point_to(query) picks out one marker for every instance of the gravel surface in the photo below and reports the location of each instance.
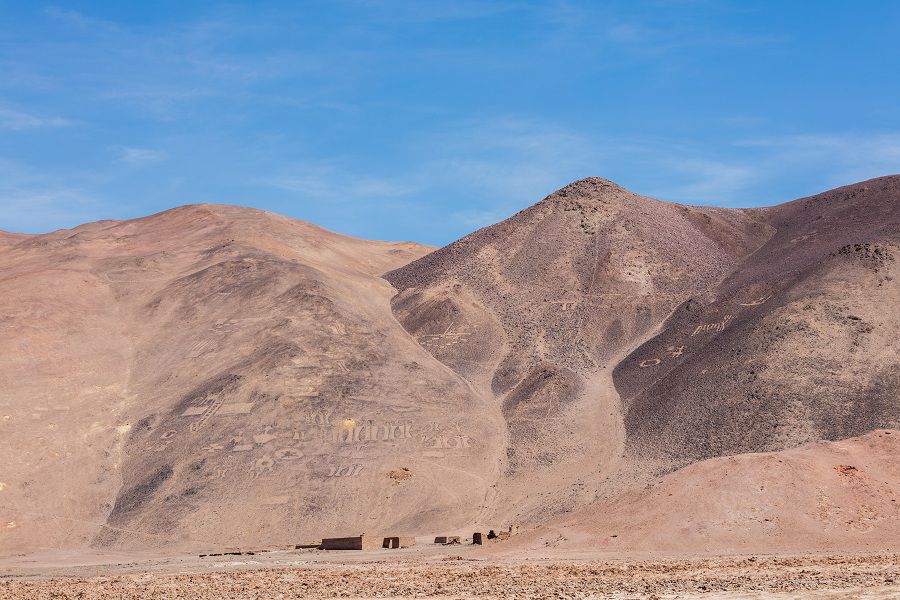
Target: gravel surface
(870, 576)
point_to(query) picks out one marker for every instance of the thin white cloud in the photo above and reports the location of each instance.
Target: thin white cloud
(319, 182)
(171, 71)
(614, 33)
(141, 156)
(497, 166)
(827, 160)
(510, 163)
(18, 120)
(77, 19)
(629, 33)
(707, 180)
(30, 202)
(507, 156)
(416, 11)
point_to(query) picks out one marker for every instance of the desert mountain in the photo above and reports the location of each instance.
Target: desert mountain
(217, 376)
(625, 337)
(799, 344)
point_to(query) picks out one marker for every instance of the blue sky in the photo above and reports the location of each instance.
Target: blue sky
(425, 120)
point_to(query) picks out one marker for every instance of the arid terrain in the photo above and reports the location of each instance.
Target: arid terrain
(662, 400)
(462, 575)
(218, 376)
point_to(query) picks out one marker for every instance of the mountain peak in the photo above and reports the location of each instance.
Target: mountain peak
(590, 186)
(592, 189)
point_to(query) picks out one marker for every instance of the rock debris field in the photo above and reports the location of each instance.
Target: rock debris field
(864, 576)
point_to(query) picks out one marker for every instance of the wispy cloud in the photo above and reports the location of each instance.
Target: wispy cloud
(508, 157)
(427, 119)
(178, 68)
(416, 11)
(611, 32)
(18, 120)
(767, 169)
(322, 181)
(141, 156)
(30, 201)
(491, 166)
(845, 157)
(510, 162)
(705, 179)
(79, 19)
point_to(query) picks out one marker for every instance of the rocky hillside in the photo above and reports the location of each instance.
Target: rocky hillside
(625, 337)
(216, 376)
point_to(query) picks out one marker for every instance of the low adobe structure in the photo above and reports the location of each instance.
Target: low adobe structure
(400, 541)
(447, 539)
(478, 537)
(356, 542)
(367, 542)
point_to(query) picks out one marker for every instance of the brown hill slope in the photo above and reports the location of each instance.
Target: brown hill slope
(827, 497)
(798, 344)
(546, 303)
(729, 331)
(223, 375)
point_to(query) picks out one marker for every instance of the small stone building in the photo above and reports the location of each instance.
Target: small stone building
(357, 542)
(367, 542)
(400, 541)
(447, 539)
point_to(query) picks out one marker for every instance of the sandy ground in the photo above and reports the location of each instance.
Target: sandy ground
(827, 497)
(436, 572)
